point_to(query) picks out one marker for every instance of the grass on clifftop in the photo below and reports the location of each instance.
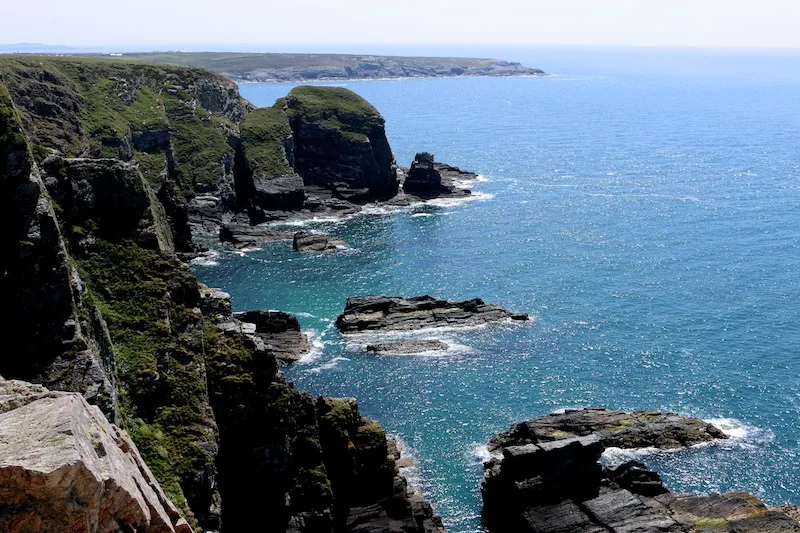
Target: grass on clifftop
(263, 134)
(146, 299)
(11, 136)
(313, 101)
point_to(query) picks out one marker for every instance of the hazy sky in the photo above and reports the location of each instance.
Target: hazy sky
(737, 23)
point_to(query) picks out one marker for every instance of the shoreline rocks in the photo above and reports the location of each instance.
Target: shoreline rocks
(376, 313)
(549, 479)
(314, 242)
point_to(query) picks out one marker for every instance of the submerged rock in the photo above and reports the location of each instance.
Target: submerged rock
(314, 242)
(429, 179)
(64, 467)
(547, 479)
(367, 313)
(410, 346)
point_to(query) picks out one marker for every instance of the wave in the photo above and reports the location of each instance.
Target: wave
(456, 202)
(478, 453)
(316, 347)
(739, 435)
(206, 259)
(408, 464)
(383, 336)
(333, 363)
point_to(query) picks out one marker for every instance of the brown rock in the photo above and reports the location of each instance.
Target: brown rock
(65, 468)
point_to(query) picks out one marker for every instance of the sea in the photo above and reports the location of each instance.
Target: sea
(642, 205)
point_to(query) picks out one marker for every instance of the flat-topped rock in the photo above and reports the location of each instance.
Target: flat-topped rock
(410, 346)
(620, 429)
(375, 313)
(247, 236)
(547, 479)
(315, 242)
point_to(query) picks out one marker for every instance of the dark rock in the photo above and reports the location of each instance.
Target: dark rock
(314, 242)
(548, 480)
(639, 429)
(279, 193)
(340, 143)
(246, 236)
(428, 179)
(276, 334)
(364, 313)
(410, 346)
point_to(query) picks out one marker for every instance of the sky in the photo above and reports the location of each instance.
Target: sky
(222, 25)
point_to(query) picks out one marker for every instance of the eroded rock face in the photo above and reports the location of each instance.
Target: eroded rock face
(246, 236)
(277, 334)
(621, 429)
(374, 313)
(547, 479)
(314, 242)
(63, 467)
(340, 143)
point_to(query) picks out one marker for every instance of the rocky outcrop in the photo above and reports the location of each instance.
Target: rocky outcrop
(340, 143)
(410, 346)
(375, 313)
(315, 242)
(548, 479)
(620, 429)
(429, 179)
(329, 469)
(64, 467)
(279, 333)
(247, 236)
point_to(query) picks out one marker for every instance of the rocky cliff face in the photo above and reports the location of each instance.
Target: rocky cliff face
(340, 143)
(104, 307)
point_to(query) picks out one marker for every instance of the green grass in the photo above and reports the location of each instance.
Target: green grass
(314, 101)
(146, 299)
(11, 137)
(74, 104)
(263, 133)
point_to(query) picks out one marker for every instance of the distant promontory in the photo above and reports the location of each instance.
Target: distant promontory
(306, 67)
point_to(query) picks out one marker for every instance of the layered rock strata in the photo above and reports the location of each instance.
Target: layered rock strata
(314, 242)
(548, 479)
(377, 313)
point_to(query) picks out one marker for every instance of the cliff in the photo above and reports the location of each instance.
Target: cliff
(103, 306)
(305, 67)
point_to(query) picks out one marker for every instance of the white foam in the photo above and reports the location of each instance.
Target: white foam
(479, 453)
(456, 202)
(422, 215)
(316, 347)
(736, 430)
(384, 335)
(206, 259)
(329, 365)
(410, 472)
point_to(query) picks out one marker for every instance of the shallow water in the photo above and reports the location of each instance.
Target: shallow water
(649, 221)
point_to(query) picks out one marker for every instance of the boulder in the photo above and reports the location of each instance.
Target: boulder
(410, 346)
(314, 242)
(375, 313)
(64, 467)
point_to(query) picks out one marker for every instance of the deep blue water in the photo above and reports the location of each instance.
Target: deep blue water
(645, 210)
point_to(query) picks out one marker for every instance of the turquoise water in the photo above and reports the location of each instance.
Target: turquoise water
(648, 219)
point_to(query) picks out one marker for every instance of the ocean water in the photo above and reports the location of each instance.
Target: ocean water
(644, 208)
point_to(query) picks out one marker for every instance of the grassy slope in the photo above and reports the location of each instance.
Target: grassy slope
(332, 108)
(263, 133)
